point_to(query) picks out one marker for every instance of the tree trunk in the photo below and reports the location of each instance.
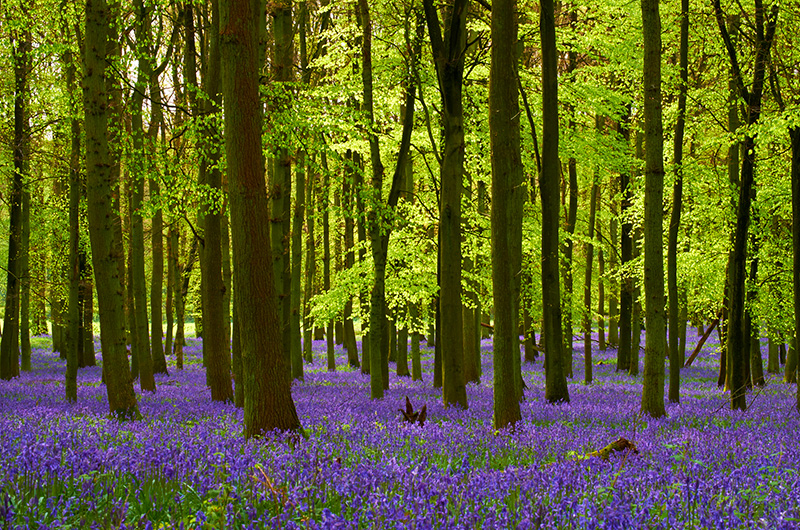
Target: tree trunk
(736, 342)
(350, 257)
(268, 399)
(157, 242)
(506, 173)
(626, 255)
(296, 347)
(24, 267)
(655, 340)
(103, 234)
(555, 375)
(587, 286)
(379, 223)
(601, 295)
(448, 56)
(73, 326)
(794, 134)
(675, 217)
(324, 207)
(216, 348)
(9, 344)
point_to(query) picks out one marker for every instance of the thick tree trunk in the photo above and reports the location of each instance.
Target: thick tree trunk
(655, 340)
(268, 400)
(506, 172)
(102, 231)
(556, 389)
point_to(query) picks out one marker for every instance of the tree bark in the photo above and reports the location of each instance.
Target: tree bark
(626, 255)
(268, 400)
(675, 217)
(736, 342)
(9, 344)
(448, 57)
(556, 389)
(102, 231)
(655, 339)
(506, 172)
(587, 287)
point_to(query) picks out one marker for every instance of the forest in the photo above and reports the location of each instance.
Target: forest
(399, 263)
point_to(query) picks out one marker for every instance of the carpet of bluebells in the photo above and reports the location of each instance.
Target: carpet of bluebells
(186, 464)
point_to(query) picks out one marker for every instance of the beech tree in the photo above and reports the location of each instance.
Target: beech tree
(268, 400)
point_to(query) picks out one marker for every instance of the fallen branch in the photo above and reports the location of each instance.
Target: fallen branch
(703, 339)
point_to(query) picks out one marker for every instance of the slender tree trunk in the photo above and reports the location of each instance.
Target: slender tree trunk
(555, 374)
(794, 134)
(311, 272)
(102, 232)
(448, 56)
(73, 327)
(86, 307)
(268, 403)
(626, 255)
(655, 340)
(379, 222)
(350, 257)
(25, 270)
(157, 245)
(601, 295)
(587, 287)
(216, 348)
(324, 203)
(675, 217)
(736, 342)
(296, 270)
(9, 344)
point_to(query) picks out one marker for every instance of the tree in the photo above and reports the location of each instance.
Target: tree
(102, 231)
(675, 217)
(504, 125)
(736, 343)
(448, 57)
(555, 376)
(380, 222)
(9, 344)
(215, 319)
(268, 400)
(655, 339)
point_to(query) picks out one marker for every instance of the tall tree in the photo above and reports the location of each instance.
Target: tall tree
(655, 339)
(675, 217)
(555, 376)
(102, 230)
(380, 220)
(9, 344)
(736, 343)
(626, 255)
(141, 334)
(587, 282)
(268, 400)
(448, 56)
(215, 321)
(504, 126)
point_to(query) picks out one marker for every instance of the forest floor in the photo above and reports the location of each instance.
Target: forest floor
(185, 464)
